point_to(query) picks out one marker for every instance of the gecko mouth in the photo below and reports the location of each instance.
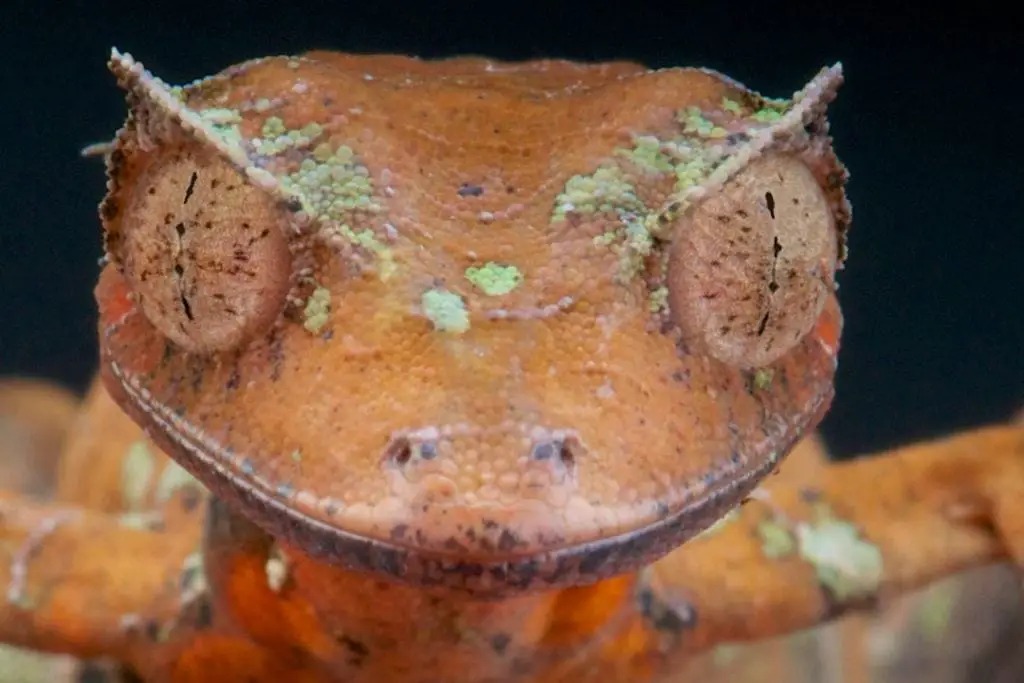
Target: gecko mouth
(419, 552)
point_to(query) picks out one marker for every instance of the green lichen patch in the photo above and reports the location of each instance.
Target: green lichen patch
(647, 153)
(606, 189)
(276, 138)
(694, 123)
(847, 565)
(494, 279)
(172, 479)
(317, 311)
(732, 106)
(334, 182)
(136, 472)
(777, 542)
(446, 310)
(225, 123)
(367, 239)
(658, 302)
(763, 378)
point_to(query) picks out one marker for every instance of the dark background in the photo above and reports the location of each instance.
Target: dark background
(929, 123)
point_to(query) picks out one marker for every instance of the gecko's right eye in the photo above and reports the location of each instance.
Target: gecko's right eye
(752, 265)
(204, 250)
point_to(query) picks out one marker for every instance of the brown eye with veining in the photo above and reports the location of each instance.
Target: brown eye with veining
(751, 266)
(204, 251)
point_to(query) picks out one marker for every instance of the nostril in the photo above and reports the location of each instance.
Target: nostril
(399, 451)
(562, 449)
(402, 450)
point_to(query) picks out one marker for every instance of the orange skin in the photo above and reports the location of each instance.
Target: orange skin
(525, 503)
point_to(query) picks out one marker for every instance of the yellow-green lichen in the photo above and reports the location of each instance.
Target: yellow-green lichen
(173, 478)
(772, 110)
(647, 154)
(317, 310)
(659, 300)
(136, 472)
(494, 279)
(333, 183)
(606, 189)
(276, 138)
(637, 247)
(694, 122)
(776, 540)
(731, 106)
(846, 564)
(273, 127)
(446, 310)
(369, 241)
(763, 378)
(225, 123)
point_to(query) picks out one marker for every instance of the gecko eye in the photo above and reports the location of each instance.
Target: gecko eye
(204, 250)
(751, 266)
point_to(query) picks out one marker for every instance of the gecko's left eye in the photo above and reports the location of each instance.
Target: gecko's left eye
(751, 266)
(204, 250)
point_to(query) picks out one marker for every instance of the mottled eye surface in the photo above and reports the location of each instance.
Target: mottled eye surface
(203, 250)
(751, 266)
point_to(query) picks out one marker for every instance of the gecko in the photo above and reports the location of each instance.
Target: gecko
(445, 366)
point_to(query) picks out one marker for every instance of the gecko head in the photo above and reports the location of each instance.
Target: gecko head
(464, 323)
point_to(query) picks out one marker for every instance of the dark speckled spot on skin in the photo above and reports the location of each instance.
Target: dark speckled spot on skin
(665, 617)
(398, 532)
(235, 378)
(276, 355)
(507, 541)
(357, 650)
(468, 190)
(810, 495)
(500, 642)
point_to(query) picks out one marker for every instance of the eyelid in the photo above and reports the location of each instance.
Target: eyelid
(752, 265)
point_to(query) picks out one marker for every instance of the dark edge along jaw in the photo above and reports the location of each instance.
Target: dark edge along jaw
(575, 565)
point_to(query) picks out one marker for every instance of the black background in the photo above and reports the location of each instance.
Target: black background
(929, 123)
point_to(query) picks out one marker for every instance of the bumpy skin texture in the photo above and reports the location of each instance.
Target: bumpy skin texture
(395, 415)
(407, 332)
